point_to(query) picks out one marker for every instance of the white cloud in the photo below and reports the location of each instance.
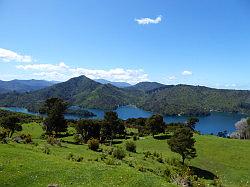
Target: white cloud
(187, 73)
(230, 85)
(8, 56)
(63, 72)
(172, 78)
(44, 67)
(146, 21)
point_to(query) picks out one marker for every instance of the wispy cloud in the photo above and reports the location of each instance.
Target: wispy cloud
(63, 72)
(8, 56)
(172, 78)
(146, 21)
(44, 67)
(187, 73)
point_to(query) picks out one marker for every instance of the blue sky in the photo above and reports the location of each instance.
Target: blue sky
(191, 42)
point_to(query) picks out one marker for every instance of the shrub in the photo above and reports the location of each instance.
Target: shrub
(3, 135)
(26, 138)
(147, 154)
(217, 182)
(110, 161)
(108, 150)
(130, 146)
(155, 154)
(103, 156)
(160, 159)
(78, 138)
(53, 141)
(72, 157)
(135, 137)
(119, 153)
(93, 144)
(43, 136)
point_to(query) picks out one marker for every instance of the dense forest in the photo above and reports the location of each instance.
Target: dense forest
(155, 97)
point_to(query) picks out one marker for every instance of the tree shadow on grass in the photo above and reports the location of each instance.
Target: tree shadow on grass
(203, 173)
(117, 142)
(162, 137)
(64, 135)
(70, 142)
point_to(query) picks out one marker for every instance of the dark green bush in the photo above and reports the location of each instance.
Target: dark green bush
(103, 156)
(93, 144)
(160, 159)
(26, 138)
(147, 154)
(111, 161)
(43, 136)
(119, 153)
(53, 141)
(108, 150)
(78, 138)
(135, 137)
(3, 135)
(130, 146)
(72, 157)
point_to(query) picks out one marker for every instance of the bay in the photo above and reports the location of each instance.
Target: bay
(216, 122)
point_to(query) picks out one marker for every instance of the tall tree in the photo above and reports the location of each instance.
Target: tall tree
(11, 124)
(155, 124)
(88, 129)
(182, 142)
(191, 122)
(55, 109)
(112, 126)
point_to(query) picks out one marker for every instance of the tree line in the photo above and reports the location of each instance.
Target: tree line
(108, 129)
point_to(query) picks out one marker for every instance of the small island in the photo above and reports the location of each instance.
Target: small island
(80, 112)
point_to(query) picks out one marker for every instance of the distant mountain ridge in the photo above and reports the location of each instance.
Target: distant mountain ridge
(147, 86)
(24, 85)
(117, 84)
(151, 96)
(80, 91)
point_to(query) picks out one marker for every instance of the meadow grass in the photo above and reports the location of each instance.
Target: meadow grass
(28, 165)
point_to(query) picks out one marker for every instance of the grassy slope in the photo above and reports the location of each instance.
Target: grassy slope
(27, 165)
(226, 158)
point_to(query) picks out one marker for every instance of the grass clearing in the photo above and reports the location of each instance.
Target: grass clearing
(27, 165)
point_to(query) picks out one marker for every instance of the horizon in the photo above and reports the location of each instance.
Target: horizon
(167, 42)
(96, 80)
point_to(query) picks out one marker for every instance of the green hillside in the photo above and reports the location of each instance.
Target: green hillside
(196, 100)
(28, 165)
(154, 97)
(80, 91)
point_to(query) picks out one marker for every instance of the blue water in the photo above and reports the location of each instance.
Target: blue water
(214, 123)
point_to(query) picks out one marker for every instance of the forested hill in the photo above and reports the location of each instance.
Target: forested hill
(146, 86)
(155, 97)
(24, 85)
(80, 91)
(196, 100)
